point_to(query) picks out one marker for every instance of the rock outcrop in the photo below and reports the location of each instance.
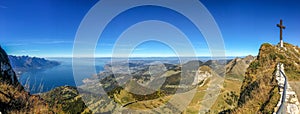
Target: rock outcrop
(7, 74)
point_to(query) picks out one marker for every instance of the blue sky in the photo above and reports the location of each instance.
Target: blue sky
(47, 28)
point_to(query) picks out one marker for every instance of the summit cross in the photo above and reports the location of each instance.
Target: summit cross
(281, 27)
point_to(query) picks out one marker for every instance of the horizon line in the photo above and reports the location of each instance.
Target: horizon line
(137, 56)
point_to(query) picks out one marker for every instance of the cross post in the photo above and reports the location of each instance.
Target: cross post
(281, 27)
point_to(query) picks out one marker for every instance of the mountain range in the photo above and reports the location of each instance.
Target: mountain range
(14, 98)
(23, 64)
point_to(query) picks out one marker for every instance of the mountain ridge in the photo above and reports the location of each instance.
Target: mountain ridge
(22, 64)
(237, 67)
(259, 92)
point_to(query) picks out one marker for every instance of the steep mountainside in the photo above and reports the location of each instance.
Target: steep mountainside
(259, 92)
(14, 99)
(229, 94)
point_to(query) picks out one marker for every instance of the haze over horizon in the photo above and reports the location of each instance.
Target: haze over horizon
(48, 28)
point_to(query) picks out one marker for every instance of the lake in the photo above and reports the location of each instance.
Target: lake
(43, 80)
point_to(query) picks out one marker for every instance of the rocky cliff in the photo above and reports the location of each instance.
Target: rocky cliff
(7, 74)
(14, 99)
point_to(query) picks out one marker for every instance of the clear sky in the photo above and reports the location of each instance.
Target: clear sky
(47, 28)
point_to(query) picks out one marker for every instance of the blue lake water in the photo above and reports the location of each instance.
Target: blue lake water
(43, 80)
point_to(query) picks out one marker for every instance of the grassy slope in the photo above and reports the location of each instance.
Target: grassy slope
(195, 104)
(13, 100)
(228, 97)
(235, 73)
(259, 92)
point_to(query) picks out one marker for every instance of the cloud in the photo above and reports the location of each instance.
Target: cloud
(53, 42)
(128, 49)
(15, 44)
(27, 51)
(29, 42)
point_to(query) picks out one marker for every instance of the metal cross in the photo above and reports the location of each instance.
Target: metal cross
(281, 27)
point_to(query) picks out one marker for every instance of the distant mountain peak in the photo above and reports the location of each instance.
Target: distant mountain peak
(238, 66)
(14, 99)
(24, 63)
